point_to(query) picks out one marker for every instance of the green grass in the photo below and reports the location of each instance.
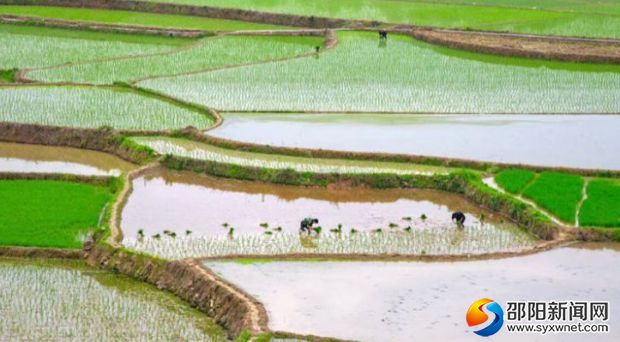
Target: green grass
(8, 76)
(48, 213)
(408, 76)
(574, 18)
(514, 180)
(26, 46)
(210, 53)
(135, 18)
(559, 193)
(602, 207)
(91, 107)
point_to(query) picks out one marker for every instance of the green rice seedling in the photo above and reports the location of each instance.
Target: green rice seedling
(231, 231)
(514, 180)
(90, 107)
(423, 217)
(559, 193)
(28, 46)
(188, 232)
(378, 230)
(173, 234)
(157, 236)
(353, 230)
(602, 206)
(267, 232)
(210, 53)
(318, 230)
(347, 79)
(407, 218)
(225, 225)
(408, 229)
(141, 232)
(264, 225)
(393, 225)
(66, 300)
(278, 229)
(189, 149)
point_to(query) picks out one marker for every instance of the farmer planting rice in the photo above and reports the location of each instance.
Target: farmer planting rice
(307, 225)
(459, 218)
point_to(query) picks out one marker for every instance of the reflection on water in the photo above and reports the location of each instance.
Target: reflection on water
(211, 206)
(581, 141)
(49, 159)
(393, 301)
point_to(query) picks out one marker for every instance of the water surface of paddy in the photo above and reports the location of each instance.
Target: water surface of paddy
(580, 141)
(51, 159)
(68, 301)
(210, 206)
(393, 301)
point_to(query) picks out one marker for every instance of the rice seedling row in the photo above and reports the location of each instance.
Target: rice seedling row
(573, 18)
(67, 301)
(29, 47)
(514, 180)
(403, 75)
(135, 18)
(200, 151)
(211, 53)
(602, 205)
(446, 240)
(91, 107)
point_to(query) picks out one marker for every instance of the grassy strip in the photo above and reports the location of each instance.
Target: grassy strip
(8, 75)
(135, 18)
(557, 192)
(514, 180)
(602, 207)
(47, 213)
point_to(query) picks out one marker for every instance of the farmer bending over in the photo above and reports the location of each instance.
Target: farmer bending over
(459, 217)
(307, 225)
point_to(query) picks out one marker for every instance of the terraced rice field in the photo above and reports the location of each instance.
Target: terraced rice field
(361, 75)
(135, 18)
(28, 47)
(45, 213)
(210, 53)
(556, 17)
(602, 205)
(200, 151)
(54, 300)
(90, 107)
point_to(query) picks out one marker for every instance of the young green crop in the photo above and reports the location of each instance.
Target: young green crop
(200, 151)
(514, 180)
(92, 107)
(559, 193)
(602, 206)
(558, 17)
(49, 213)
(27, 46)
(135, 18)
(210, 53)
(363, 75)
(68, 301)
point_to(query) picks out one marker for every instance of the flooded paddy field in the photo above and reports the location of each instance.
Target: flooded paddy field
(50, 159)
(68, 301)
(580, 141)
(183, 214)
(398, 301)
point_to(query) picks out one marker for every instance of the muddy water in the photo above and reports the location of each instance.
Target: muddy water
(50, 159)
(180, 201)
(580, 141)
(383, 301)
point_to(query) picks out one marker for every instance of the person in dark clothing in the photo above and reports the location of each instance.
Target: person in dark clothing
(307, 225)
(458, 217)
(383, 35)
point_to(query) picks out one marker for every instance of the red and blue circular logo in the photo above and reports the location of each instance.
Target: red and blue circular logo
(478, 315)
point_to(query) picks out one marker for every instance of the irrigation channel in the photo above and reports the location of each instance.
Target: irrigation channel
(186, 215)
(49, 300)
(393, 301)
(579, 141)
(25, 158)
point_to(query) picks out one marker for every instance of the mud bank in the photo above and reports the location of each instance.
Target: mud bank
(228, 306)
(102, 27)
(199, 11)
(43, 253)
(103, 139)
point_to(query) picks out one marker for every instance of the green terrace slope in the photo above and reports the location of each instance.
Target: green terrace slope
(552, 17)
(403, 75)
(210, 53)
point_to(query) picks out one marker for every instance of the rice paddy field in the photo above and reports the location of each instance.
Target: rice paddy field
(555, 17)
(403, 75)
(135, 18)
(91, 107)
(201, 151)
(45, 213)
(65, 300)
(210, 53)
(29, 47)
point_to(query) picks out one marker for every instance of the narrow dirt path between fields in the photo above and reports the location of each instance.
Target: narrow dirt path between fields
(584, 197)
(490, 181)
